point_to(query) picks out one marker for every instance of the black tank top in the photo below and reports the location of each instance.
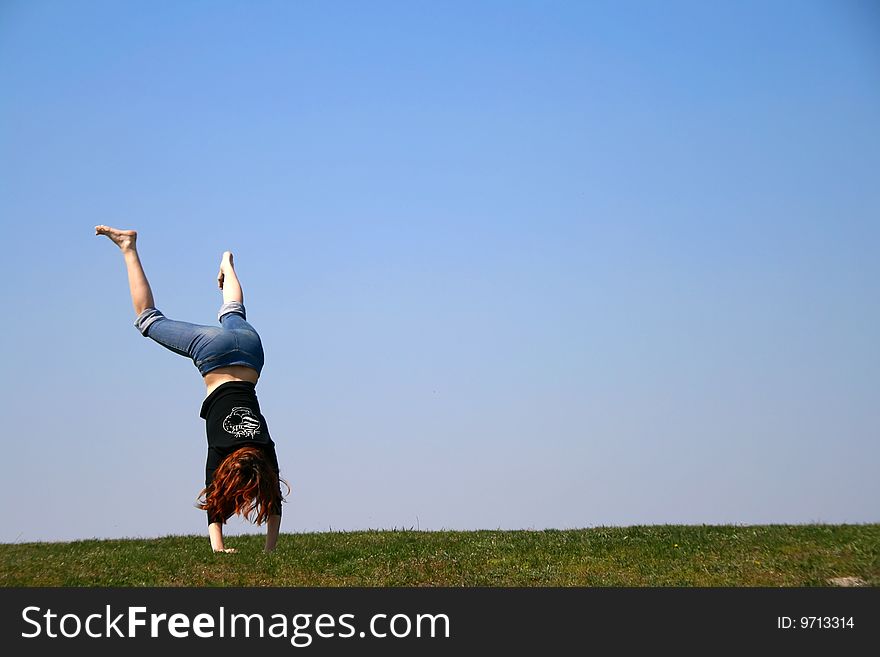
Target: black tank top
(232, 420)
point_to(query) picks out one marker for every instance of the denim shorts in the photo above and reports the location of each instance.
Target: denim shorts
(234, 342)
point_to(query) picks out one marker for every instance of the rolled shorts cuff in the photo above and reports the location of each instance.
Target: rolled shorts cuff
(236, 307)
(146, 319)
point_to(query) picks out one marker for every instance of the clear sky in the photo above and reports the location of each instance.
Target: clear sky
(514, 264)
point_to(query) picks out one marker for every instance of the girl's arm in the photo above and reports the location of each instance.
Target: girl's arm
(273, 524)
(215, 533)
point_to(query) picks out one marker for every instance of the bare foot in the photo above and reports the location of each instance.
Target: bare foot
(124, 239)
(225, 263)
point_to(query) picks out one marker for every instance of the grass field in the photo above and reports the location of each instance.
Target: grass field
(659, 555)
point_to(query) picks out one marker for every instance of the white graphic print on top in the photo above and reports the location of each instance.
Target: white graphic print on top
(242, 423)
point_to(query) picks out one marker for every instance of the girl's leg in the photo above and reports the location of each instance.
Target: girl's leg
(232, 316)
(228, 280)
(232, 313)
(139, 286)
(180, 337)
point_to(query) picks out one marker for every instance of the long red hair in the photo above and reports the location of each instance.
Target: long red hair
(246, 484)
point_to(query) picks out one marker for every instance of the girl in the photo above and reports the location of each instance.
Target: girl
(241, 474)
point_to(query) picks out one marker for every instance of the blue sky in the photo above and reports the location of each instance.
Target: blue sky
(514, 264)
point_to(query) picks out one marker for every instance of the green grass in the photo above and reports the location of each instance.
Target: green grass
(659, 555)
